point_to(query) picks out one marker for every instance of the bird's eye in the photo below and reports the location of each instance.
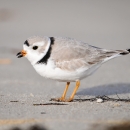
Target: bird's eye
(35, 47)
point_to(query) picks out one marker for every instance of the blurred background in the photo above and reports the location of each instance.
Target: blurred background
(102, 23)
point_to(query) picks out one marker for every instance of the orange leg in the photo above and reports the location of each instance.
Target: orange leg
(74, 92)
(63, 95)
(65, 91)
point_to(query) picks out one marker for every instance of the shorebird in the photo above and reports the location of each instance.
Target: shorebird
(66, 59)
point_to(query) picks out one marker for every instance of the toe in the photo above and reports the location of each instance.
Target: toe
(69, 100)
(58, 99)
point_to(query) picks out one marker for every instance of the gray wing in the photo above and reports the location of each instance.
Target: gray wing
(69, 54)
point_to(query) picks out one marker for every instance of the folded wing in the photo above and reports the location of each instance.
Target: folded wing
(69, 54)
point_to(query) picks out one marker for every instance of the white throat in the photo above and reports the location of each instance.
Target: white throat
(36, 55)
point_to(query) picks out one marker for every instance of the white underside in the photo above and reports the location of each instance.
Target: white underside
(50, 71)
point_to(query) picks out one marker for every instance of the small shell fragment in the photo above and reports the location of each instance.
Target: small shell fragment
(99, 100)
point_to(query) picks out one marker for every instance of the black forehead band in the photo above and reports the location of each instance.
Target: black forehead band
(26, 43)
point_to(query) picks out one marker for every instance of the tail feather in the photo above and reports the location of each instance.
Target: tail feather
(125, 52)
(128, 50)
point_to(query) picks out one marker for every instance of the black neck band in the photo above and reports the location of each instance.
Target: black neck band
(48, 54)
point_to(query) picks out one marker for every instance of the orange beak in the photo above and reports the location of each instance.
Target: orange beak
(21, 54)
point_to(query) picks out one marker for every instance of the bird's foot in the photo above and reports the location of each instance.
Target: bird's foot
(58, 99)
(68, 100)
(61, 99)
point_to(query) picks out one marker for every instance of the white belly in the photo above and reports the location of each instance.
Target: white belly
(51, 72)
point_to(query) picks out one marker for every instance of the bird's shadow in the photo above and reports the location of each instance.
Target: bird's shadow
(107, 89)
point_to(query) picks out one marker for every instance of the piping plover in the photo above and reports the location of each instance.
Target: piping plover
(65, 59)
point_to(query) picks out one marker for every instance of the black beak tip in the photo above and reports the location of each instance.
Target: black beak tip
(19, 55)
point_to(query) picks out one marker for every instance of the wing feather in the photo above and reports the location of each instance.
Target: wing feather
(70, 55)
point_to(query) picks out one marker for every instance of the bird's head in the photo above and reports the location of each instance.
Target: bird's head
(35, 48)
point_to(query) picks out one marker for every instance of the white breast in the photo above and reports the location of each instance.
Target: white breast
(50, 71)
